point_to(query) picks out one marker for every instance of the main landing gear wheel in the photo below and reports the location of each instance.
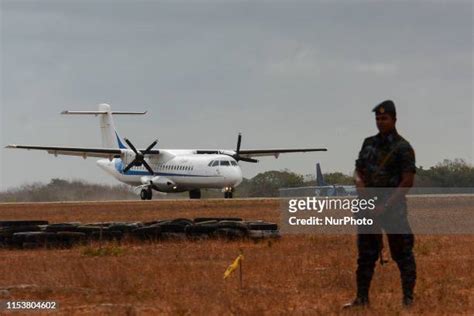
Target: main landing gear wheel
(146, 194)
(195, 194)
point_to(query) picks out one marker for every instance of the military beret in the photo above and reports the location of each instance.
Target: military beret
(386, 106)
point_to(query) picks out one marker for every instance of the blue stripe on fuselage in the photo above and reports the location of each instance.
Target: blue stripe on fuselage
(119, 167)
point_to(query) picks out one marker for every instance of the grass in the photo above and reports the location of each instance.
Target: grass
(298, 274)
(99, 251)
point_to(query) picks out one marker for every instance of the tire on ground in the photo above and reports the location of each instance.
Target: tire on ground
(263, 234)
(8, 231)
(230, 233)
(175, 226)
(202, 229)
(89, 230)
(68, 239)
(150, 233)
(40, 238)
(108, 235)
(261, 226)
(125, 227)
(232, 224)
(31, 245)
(22, 223)
(206, 219)
(62, 227)
(172, 236)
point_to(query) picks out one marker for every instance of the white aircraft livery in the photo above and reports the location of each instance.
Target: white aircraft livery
(163, 170)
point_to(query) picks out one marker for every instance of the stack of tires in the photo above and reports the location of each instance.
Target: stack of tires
(231, 229)
(35, 234)
(262, 230)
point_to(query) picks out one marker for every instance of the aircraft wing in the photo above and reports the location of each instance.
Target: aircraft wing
(276, 152)
(259, 152)
(78, 151)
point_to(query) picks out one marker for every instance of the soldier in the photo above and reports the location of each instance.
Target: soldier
(386, 161)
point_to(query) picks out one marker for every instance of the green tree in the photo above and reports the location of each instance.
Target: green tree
(449, 173)
(268, 183)
(338, 178)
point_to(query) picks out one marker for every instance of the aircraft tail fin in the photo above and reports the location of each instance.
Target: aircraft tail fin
(110, 136)
(319, 176)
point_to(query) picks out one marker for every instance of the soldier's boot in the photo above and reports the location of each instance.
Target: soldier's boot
(360, 301)
(407, 301)
(362, 298)
(407, 295)
(408, 279)
(364, 273)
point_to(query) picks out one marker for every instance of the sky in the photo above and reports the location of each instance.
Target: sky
(284, 73)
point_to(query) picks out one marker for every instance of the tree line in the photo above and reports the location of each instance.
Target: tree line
(455, 173)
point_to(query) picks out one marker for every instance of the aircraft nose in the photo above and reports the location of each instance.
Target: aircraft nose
(237, 175)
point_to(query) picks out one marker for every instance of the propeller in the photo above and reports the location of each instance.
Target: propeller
(140, 157)
(237, 156)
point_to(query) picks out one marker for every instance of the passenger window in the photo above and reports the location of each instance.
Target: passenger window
(215, 163)
(225, 163)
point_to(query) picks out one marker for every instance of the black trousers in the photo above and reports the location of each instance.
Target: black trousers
(401, 241)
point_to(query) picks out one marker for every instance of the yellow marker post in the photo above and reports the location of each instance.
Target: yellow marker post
(233, 266)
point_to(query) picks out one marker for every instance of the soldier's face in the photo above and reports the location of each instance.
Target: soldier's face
(385, 123)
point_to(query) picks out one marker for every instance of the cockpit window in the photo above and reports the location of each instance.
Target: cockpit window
(210, 164)
(215, 163)
(233, 163)
(225, 163)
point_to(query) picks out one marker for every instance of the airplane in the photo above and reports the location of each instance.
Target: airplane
(163, 170)
(324, 189)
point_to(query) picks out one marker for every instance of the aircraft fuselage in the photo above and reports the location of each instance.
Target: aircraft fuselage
(182, 173)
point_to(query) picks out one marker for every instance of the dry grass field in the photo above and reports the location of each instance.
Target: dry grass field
(298, 274)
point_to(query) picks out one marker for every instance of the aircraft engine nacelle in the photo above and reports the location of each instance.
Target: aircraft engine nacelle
(127, 156)
(163, 184)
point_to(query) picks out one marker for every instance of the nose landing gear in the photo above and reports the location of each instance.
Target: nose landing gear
(228, 192)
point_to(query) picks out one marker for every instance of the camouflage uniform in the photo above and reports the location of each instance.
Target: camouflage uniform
(382, 161)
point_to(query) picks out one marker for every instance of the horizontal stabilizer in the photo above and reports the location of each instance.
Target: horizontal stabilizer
(103, 112)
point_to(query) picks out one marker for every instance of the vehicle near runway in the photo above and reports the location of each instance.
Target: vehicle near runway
(163, 170)
(324, 189)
